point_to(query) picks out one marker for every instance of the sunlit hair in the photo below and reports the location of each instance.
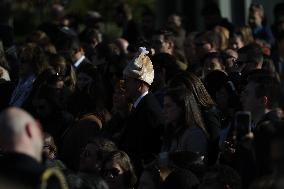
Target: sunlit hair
(224, 34)
(245, 33)
(195, 85)
(191, 113)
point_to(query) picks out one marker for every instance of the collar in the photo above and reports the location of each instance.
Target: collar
(139, 99)
(79, 61)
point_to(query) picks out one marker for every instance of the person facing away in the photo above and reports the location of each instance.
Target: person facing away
(21, 140)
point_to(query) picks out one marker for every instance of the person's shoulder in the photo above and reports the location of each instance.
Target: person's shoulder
(150, 101)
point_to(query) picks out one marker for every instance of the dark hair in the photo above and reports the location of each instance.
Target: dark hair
(253, 53)
(124, 8)
(96, 92)
(181, 179)
(34, 55)
(223, 175)
(86, 181)
(88, 35)
(194, 84)
(278, 10)
(38, 37)
(168, 35)
(210, 9)
(165, 61)
(123, 160)
(103, 143)
(267, 86)
(214, 81)
(213, 38)
(185, 99)
(213, 55)
(67, 45)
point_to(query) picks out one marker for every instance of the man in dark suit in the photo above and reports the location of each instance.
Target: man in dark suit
(69, 46)
(141, 135)
(21, 142)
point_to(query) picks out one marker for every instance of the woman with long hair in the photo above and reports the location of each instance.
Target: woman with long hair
(185, 130)
(207, 107)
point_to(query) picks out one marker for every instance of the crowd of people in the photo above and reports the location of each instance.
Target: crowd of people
(156, 108)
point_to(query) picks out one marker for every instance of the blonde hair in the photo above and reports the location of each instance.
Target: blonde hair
(246, 34)
(224, 35)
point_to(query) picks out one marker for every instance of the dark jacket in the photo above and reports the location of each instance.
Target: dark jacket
(141, 136)
(21, 169)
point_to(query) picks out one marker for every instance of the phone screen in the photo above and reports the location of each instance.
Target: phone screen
(242, 123)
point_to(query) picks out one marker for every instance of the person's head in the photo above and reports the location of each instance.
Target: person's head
(182, 179)
(150, 177)
(236, 41)
(59, 64)
(49, 147)
(230, 58)
(278, 12)
(123, 13)
(32, 60)
(221, 177)
(69, 47)
(211, 15)
(163, 42)
(93, 19)
(174, 22)
(122, 45)
(181, 108)
(241, 37)
(138, 75)
(250, 57)
(213, 61)
(148, 22)
(94, 153)
(194, 84)
(206, 43)
(20, 133)
(189, 47)
(256, 15)
(90, 38)
(214, 81)
(224, 34)
(165, 67)
(47, 101)
(261, 93)
(118, 171)
(223, 90)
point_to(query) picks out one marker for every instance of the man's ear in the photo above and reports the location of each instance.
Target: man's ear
(28, 130)
(264, 100)
(171, 44)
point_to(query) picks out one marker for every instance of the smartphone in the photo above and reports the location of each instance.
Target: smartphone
(242, 124)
